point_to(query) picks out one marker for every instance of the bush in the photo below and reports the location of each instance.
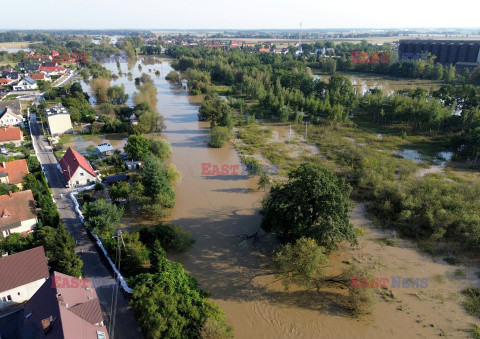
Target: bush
(218, 136)
(472, 302)
(171, 237)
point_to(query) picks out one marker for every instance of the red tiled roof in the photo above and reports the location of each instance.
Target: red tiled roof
(264, 50)
(15, 208)
(15, 169)
(72, 160)
(10, 133)
(23, 268)
(74, 311)
(37, 76)
(4, 81)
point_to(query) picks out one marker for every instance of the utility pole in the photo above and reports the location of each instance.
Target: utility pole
(113, 310)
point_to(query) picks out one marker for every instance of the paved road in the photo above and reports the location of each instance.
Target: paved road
(125, 323)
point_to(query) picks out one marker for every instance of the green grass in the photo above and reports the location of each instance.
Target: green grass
(451, 260)
(472, 302)
(475, 332)
(386, 241)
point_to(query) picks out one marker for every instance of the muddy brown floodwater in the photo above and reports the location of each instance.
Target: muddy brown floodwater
(220, 211)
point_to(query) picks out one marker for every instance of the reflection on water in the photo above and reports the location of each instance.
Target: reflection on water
(363, 84)
(441, 158)
(81, 142)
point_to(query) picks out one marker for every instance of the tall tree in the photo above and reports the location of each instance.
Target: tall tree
(312, 203)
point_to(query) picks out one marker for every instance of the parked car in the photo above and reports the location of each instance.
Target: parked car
(4, 151)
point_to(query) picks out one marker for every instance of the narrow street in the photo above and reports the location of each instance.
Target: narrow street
(93, 267)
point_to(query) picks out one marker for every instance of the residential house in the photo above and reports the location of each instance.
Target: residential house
(52, 70)
(28, 66)
(133, 165)
(9, 116)
(5, 82)
(58, 120)
(39, 76)
(64, 307)
(13, 104)
(12, 172)
(25, 84)
(11, 134)
(76, 169)
(105, 149)
(12, 75)
(21, 275)
(17, 213)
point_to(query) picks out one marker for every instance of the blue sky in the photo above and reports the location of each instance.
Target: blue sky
(244, 14)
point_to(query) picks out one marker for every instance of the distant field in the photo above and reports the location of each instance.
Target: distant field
(22, 44)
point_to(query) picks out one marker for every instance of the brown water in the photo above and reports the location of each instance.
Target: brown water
(220, 210)
(388, 85)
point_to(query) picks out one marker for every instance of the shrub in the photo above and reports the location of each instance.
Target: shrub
(218, 136)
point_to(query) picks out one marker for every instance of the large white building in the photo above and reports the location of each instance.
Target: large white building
(58, 119)
(21, 275)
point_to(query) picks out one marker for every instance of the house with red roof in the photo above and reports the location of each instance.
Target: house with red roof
(52, 70)
(11, 134)
(76, 169)
(12, 172)
(39, 76)
(21, 275)
(64, 307)
(18, 213)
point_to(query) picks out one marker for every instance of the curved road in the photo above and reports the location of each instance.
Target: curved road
(125, 323)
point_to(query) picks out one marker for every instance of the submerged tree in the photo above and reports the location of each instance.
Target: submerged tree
(312, 203)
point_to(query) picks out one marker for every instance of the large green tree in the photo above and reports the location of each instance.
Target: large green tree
(312, 203)
(138, 147)
(101, 217)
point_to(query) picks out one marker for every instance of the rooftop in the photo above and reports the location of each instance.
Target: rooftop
(56, 110)
(23, 268)
(10, 133)
(15, 169)
(15, 208)
(64, 307)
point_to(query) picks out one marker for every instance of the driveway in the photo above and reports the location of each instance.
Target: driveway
(93, 267)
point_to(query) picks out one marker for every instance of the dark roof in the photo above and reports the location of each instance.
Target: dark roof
(70, 311)
(23, 268)
(116, 178)
(13, 104)
(72, 160)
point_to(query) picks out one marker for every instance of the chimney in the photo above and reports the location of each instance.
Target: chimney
(5, 254)
(10, 194)
(3, 164)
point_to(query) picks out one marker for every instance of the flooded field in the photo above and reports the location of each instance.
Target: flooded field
(220, 211)
(82, 142)
(364, 82)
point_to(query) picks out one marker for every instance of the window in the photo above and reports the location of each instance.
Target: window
(9, 297)
(4, 299)
(88, 180)
(77, 182)
(18, 293)
(82, 174)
